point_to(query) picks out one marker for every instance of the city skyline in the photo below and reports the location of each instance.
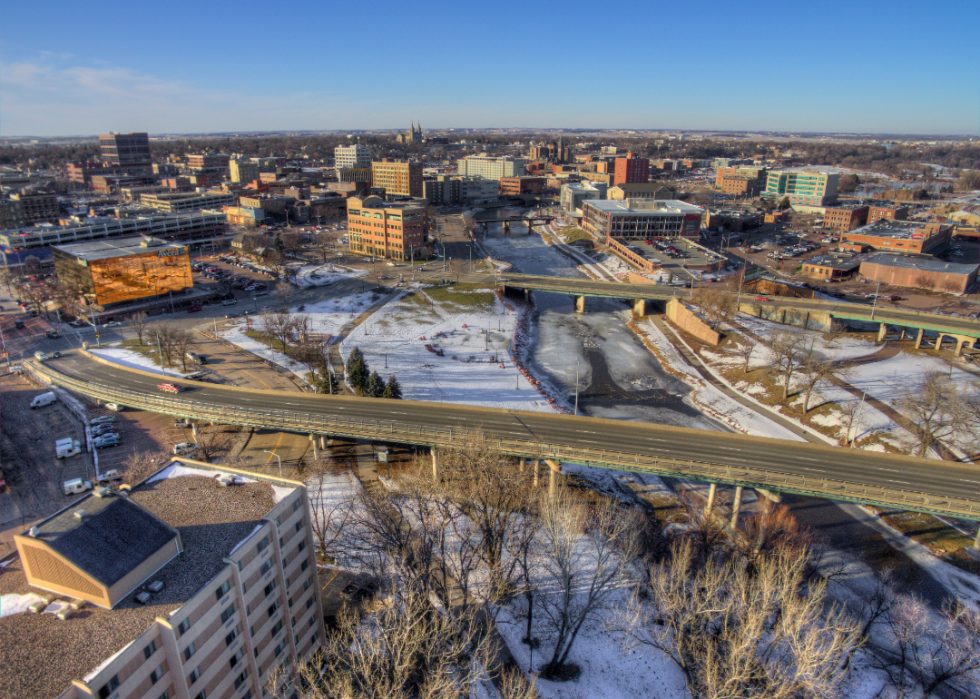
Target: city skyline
(877, 68)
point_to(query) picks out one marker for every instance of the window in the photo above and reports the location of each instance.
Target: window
(277, 628)
(109, 687)
(294, 622)
(150, 649)
(236, 658)
(223, 590)
(189, 652)
(302, 545)
(280, 648)
(299, 525)
(182, 627)
(232, 635)
(165, 695)
(304, 565)
(240, 680)
(227, 614)
(262, 545)
(266, 567)
(202, 695)
(270, 587)
(309, 603)
(274, 607)
(195, 675)
(157, 675)
(306, 584)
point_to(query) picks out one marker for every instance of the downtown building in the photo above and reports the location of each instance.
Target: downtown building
(802, 187)
(389, 230)
(399, 179)
(126, 149)
(354, 156)
(197, 583)
(630, 219)
(491, 168)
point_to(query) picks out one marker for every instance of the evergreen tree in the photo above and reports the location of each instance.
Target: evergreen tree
(278, 243)
(375, 386)
(392, 389)
(357, 371)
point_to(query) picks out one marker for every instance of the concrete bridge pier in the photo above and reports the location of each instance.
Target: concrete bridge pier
(523, 463)
(435, 466)
(918, 338)
(580, 304)
(770, 495)
(639, 308)
(537, 470)
(736, 506)
(554, 469)
(316, 447)
(712, 491)
(194, 428)
(323, 441)
(882, 329)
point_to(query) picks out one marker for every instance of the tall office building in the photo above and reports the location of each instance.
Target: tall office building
(491, 168)
(806, 187)
(199, 583)
(391, 230)
(126, 149)
(399, 179)
(356, 156)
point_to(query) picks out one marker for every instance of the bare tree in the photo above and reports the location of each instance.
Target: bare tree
(586, 555)
(181, 342)
(329, 516)
(924, 281)
(212, 441)
(137, 322)
(141, 466)
(815, 371)
(744, 351)
(791, 349)
(283, 292)
(934, 412)
(928, 655)
(736, 632)
(163, 334)
(716, 305)
(949, 285)
(279, 326)
(850, 411)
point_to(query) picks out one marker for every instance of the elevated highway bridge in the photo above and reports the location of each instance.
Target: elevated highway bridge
(887, 480)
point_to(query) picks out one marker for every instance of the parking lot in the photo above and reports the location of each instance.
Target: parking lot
(673, 254)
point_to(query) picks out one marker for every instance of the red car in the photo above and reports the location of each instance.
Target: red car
(171, 387)
(193, 309)
(761, 298)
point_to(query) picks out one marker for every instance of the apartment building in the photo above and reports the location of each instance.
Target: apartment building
(631, 169)
(177, 202)
(243, 171)
(491, 168)
(11, 215)
(208, 161)
(399, 179)
(845, 217)
(390, 230)
(803, 187)
(754, 172)
(878, 210)
(82, 173)
(198, 583)
(355, 156)
(125, 149)
(640, 219)
(515, 186)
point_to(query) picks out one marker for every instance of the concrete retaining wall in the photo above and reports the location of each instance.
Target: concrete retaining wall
(687, 321)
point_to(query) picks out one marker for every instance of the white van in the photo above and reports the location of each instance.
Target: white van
(186, 448)
(229, 302)
(76, 486)
(43, 400)
(110, 476)
(40, 356)
(115, 407)
(63, 451)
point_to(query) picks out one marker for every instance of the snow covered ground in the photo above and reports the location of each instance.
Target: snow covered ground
(236, 335)
(839, 349)
(133, 360)
(321, 275)
(17, 604)
(474, 340)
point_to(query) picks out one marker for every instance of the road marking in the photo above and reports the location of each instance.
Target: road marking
(902, 482)
(274, 449)
(250, 374)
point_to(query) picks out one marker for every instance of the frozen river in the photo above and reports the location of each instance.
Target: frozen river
(618, 376)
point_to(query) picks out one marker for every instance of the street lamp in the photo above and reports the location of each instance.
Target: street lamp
(278, 457)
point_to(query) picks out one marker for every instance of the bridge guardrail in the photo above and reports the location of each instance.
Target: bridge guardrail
(394, 431)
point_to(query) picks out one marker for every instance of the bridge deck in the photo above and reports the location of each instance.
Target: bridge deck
(848, 474)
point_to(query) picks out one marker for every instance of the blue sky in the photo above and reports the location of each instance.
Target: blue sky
(86, 68)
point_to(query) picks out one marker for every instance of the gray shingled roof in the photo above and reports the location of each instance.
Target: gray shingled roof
(110, 540)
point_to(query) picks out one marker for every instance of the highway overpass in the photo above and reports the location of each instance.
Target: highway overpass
(967, 329)
(939, 487)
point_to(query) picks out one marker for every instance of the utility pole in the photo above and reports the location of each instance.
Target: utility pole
(576, 386)
(875, 304)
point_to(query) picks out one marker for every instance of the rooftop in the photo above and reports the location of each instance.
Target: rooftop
(120, 247)
(848, 206)
(926, 264)
(887, 228)
(211, 520)
(643, 207)
(840, 262)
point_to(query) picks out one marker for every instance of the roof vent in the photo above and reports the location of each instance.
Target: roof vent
(100, 492)
(155, 586)
(80, 514)
(34, 531)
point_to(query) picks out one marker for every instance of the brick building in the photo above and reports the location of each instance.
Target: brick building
(920, 272)
(514, 186)
(38, 207)
(390, 230)
(878, 210)
(901, 236)
(399, 179)
(639, 219)
(631, 169)
(845, 217)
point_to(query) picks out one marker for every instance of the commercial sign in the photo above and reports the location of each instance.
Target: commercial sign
(174, 252)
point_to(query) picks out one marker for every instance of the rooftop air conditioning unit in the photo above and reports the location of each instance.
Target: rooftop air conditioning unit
(80, 514)
(100, 492)
(63, 614)
(34, 531)
(143, 597)
(155, 586)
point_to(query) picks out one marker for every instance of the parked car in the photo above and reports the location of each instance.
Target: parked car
(186, 448)
(194, 309)
(110, 476)
(102, 429)
(103, 420)
(106, 441)
(53, 334)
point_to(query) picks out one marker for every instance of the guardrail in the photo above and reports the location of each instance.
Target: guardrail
(409, 433)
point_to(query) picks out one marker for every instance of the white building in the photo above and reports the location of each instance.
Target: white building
(491, 168)
(356, 156)
(478, 190)
(574, 193)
